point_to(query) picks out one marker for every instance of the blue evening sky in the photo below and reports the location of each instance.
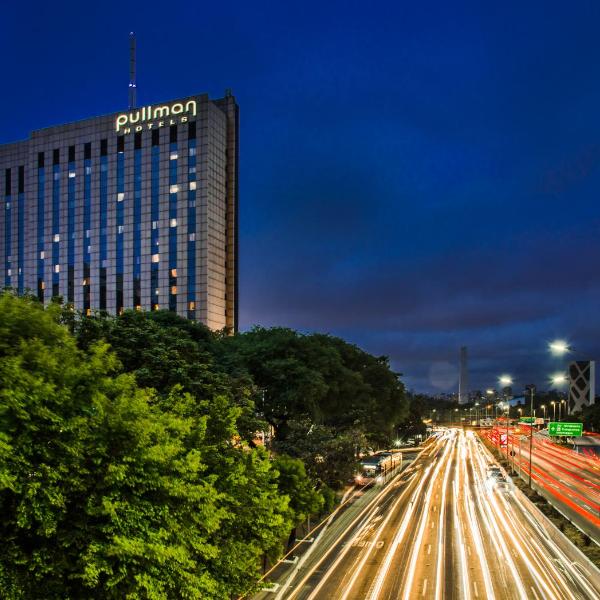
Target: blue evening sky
(414, 176)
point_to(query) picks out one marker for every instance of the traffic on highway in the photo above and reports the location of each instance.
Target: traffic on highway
(450, 525)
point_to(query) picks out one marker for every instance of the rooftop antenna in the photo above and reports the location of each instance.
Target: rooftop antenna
(132, 86)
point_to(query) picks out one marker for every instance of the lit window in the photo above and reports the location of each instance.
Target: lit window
(57, 268)
(138, 307)
(192, 151)
(173, 272)
(85, 281)
(192, 237)
(7, 205)
(192, 170)
(71, 174)
(89, 249)
(173, 222)
(88, 170)
(173, 290)
(173, 156)
(154, 224)
(120, 196)
(87, 233)
(42, 255)
(120, 228)
(191, 305)
(88, 311)
(155, 307)
(57, 237)
(174, 189)
(9, 272)
(192, 185)
(43, 285)
(155, 258)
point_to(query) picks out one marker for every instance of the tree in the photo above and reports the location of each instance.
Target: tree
(320, 378)
(163, 350)
(330, 456)
(109, 490)
(294, 483)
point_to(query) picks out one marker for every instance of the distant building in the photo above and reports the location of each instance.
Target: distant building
(582, 384)
(463, 379)
(136, 209)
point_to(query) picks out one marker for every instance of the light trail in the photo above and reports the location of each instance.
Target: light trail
(499, 545)
(444, 462)
(384, 568)
(440, 556)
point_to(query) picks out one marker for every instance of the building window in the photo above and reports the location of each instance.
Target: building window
(155, 258)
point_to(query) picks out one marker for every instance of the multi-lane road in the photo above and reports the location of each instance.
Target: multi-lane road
(570, 481)
(441, 529)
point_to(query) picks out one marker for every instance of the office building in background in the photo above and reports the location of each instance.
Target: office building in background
(133, 210)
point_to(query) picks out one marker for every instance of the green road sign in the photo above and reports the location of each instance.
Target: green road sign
(570, 429)
(527, 419)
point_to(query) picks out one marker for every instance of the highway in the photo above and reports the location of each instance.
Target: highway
(570, 481)
(442, 529)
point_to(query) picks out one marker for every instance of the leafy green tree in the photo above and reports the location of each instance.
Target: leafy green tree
(320, 378)
(330, 456)
(164, 350)
(108, 490)
(294, 483)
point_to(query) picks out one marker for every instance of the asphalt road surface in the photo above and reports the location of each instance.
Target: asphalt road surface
(444, 528)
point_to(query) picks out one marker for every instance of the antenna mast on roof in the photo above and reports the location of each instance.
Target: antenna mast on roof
(132, 86)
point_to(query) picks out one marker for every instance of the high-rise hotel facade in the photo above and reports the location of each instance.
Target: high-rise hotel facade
(134, 210)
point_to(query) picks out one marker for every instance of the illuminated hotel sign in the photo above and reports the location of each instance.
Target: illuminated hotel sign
(151, 117)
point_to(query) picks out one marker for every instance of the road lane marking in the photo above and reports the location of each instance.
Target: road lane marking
(424, 588)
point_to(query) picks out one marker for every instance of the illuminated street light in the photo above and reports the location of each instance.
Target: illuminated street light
(559, 379)
(559, 347)
(553, 410)
(543, 407)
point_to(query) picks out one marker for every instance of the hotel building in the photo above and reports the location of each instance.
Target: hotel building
(133, 210)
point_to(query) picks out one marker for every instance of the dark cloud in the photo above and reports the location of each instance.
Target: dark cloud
(414, 177)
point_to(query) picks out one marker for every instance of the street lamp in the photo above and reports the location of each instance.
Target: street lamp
(531, 389)
(559, 347)
(553, 410)
(543, 407)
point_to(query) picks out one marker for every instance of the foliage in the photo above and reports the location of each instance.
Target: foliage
(294, 483)
(329, 456)
(591, 417)
(320, 378)
(108, 490)
(163, 350)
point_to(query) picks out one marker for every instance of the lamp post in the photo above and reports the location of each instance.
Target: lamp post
(531, 389)
(506, 381)
(543, 407)
(553, 410)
